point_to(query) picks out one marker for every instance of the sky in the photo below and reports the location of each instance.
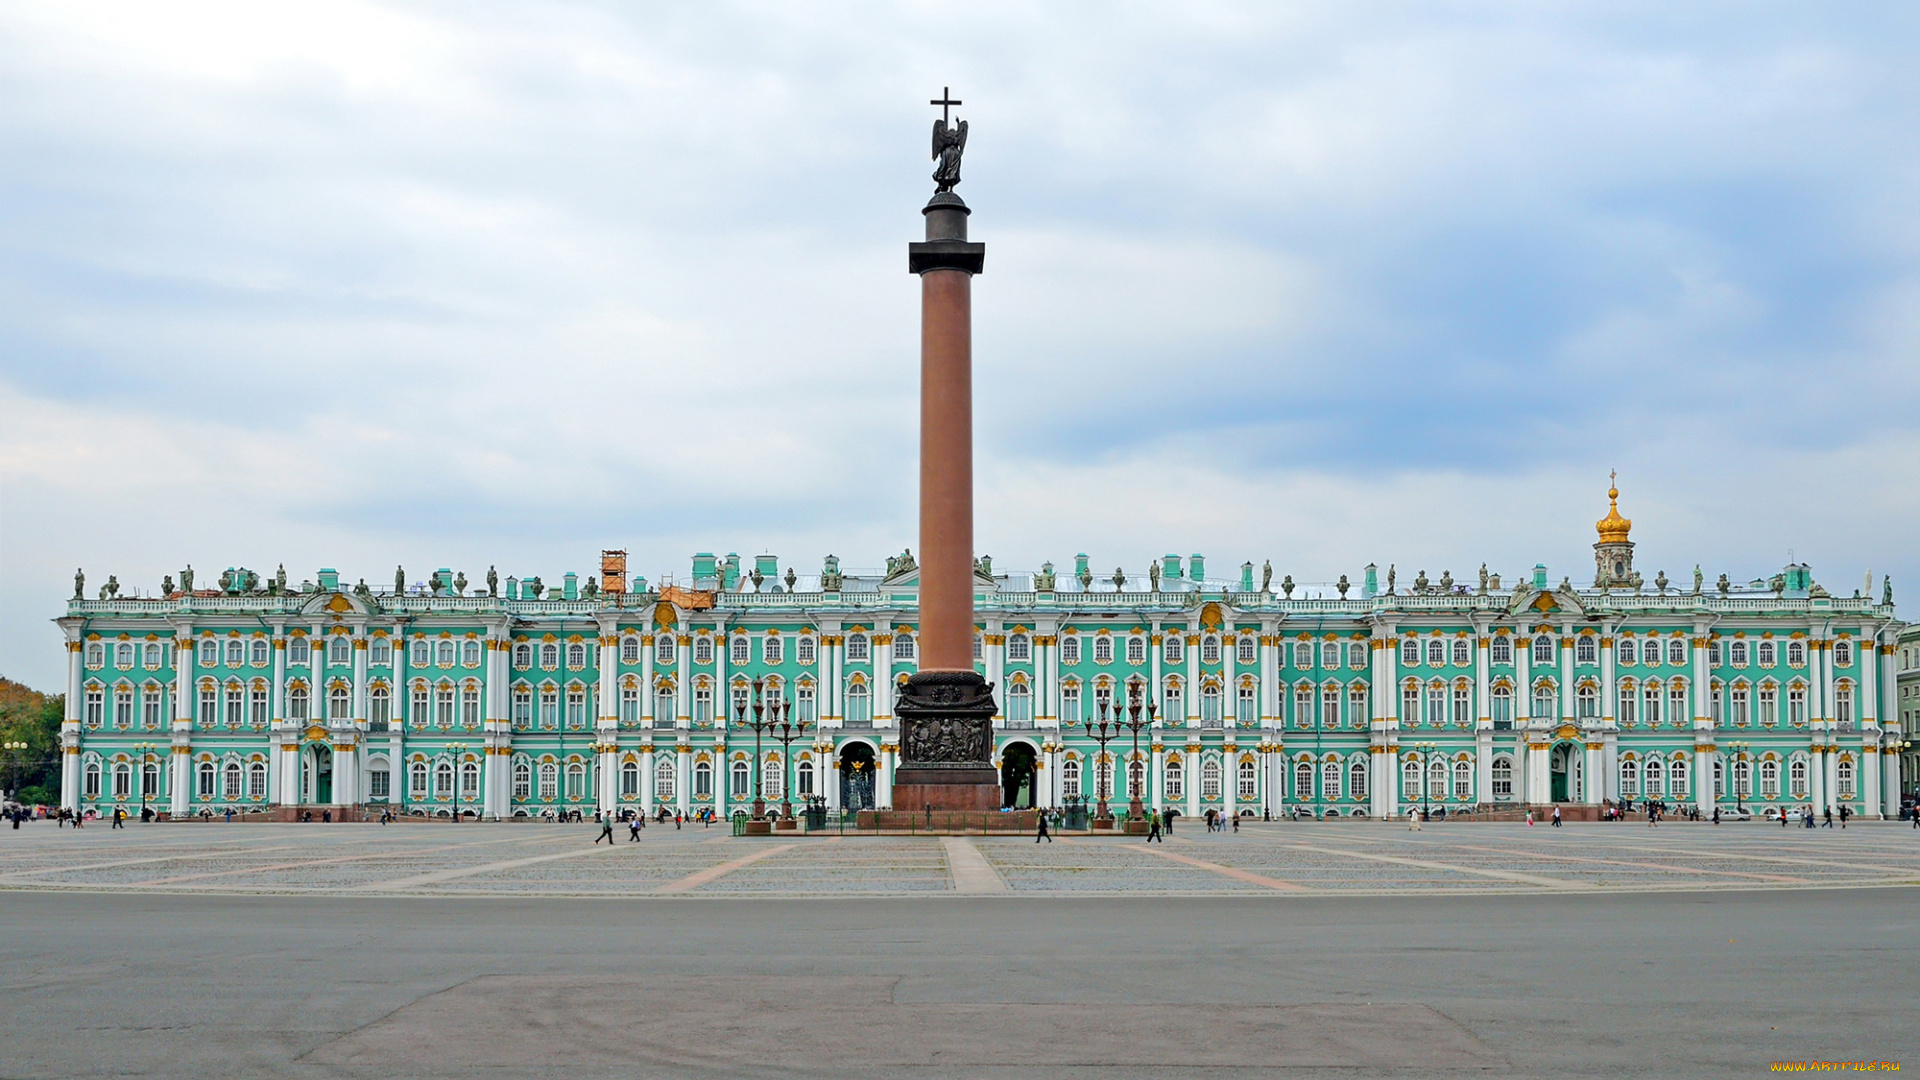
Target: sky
(473, 284)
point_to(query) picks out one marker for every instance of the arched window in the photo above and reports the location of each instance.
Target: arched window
(1769, 779)
(1586, 649)
(1330, 779)
(257, 780)
(123, 780)
(1249, 649)
(1843, 777)
(858, 649)
(1843, 653)
(1136, 649)
(522, 780)
(470, 652)
(1210, 778)
(1627, 651)
(773, 649)
(339, 651)
(1173, 648)
(91, 782)
(576, 782)
(206, 780)
(417, 780)
(1437, 778)
(1410, 779)
(1677, 652)
(1357, 779)
(1737, 653)
(1102, 649)
(1501, 651)
(702, 649)
(1210, 649)
(663, 649)
(630, 649)
(805, 650)
(1329, 654)
(209, 655)
(1463, 780)
(152, 652)
(1247, 780)
(629, 779)
(1797, 778)
(1502, 778)
(742, 781)
(1677, 778)
(1436, 653)
(903, 646)
(1656, 777)
(859, 706)
(420, 653)
(1409, 653)
(1629, 778)
(1766, 653)
(549, 781)
(443, 652)
(741, 650)
(470, 780)
(1070, 777)
(549, 655)
(1741, 785)
(1796, 653)
(1303, 781)
(522, 655)
(1019, 705)
(1543, 649)
(772, 779)
(443, 780)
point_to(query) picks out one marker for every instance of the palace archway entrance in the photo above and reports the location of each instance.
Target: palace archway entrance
(856, 776)
(1017, 775)
(1566, 762)
(316, 774)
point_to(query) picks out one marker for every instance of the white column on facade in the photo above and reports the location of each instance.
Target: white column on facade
(1193, 763)
(1567, 710)
(1703, 797)
(1192, 696)
(359, 688)
(181, 784)
(683, 689)
(722, 656)
(70, 723)
(646, 774)
(401, 707)
(882, 693)
(1483, 712)
(1817, 774)
(1269, 675)
(1892, 728)
(1593, 782)
(646, 687)
(606, 657)
(993, 653)
(683, 776)
(1230, 778)
(883, 784)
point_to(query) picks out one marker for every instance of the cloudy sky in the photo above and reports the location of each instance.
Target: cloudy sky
(471, 284)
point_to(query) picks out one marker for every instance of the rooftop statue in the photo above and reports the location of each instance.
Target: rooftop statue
(1390, 579)
(1266, 576)
(1044, 580)
(186, 579)
(493, 582)
(1483, 579)
(1153, 575)
(79, 584)
(949, 142)
(1725, 585)
(399, 581)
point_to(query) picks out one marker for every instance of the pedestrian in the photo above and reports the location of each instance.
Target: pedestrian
(676, 819)
(1556, 817)
(1529, 817)
(1153, 830)
(1168, 814)
(633, 830)
(1236, 822)
(119, 818)
(326, 817)
(1843, 815)
(1042, 833)
(606, 832)
(1829, 821)
(1716, 815)
(1413, 821)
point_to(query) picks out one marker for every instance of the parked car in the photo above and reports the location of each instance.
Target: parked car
(1774, 813)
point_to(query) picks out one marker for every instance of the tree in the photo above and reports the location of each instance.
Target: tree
(28, 716)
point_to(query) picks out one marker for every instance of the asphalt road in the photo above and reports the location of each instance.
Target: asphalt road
(1653, 984)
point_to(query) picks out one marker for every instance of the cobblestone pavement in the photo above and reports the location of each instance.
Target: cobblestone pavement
(1290, 859)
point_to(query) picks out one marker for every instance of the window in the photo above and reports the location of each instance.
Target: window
(297, 703)
(1624, 711)
(1357, 704)
(420, 653)
(1501, 651)
(1737, 653)
(903, 646)
(152, 701)
(1409, 653)
(1303, 781)
(664, 778)
(577, 782)
(1677, 652)
(1249, 650)
(1070, 778)
(1628, 651)
(339, 650)
(859, 706)
(209, 706)
(1246, 709)
(522, 780)
(206, 776)
(664, 709)
(702, 705)
(96, 655)
(1655, 776)
(257, 705)
(417, 780)
(122, 781)
(1357, 780)
(857, 650)
(1843, 703)
(1586, 649)
(1070, 649)
(1410, 701)
(123, 706)
(1796, 653)
(1462, 705)
(1797, 778)
(339, 704)
(741, 650)
(1410, 779)
(1769, 705)
(1502, 777)
(1436, 704)
(630, 649)
(470, 653)
(630, 702)
(1543, 701)
(380, 653)
(805, 649)
(1436, 652)
(1019, 706)
(1210, 778)
(1769, 779)
(803, 702)
(1586, 702)
(230, 781)
(773, 649)
(1070, 703)
(549, 707)
(1766, 653)
(1173, 703)
(1210, 649)
(1462, 655)
(1246, 786)
(152, 651)
(1136, 649)
(772, 780)
(1842, 654)
(1173, 647)
(1357, 656)
(1677, 778)
(209, 656)
(1629, 778)
(1329, 705)
(522, 655)
(1102, 649)
(979, 651)
(522, 707)
(663, 649)
(803, 779)
(470, 705)
(123, 655)
(1713, 652)
(1210, 707)
(1738, 706)
(1796, 704)
(1543, 649)
(91, 785)
(549, 781)
(549, 654)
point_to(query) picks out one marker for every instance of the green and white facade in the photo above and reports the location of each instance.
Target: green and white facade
(1386, 697)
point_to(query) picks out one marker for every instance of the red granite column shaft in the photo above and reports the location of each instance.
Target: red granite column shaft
(946, 470)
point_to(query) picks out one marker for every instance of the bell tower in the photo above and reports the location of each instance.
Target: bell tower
(1613, 554)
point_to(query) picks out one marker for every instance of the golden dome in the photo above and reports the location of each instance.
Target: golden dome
(1613, 528)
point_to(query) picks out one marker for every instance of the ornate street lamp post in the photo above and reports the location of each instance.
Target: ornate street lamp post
(1427, 750)
(789, 732)
(1103, 731)
(145, 750)
(13, 765)
(760, 723)
(1739, 773)
(1136, 810)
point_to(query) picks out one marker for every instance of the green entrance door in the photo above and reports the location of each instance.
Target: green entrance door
(1561, 754)
(322, 774)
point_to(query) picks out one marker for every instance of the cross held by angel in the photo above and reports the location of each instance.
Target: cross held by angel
(949, 142)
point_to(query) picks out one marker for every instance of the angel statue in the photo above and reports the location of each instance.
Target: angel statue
(949, 142)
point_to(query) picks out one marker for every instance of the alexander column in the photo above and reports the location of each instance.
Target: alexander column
(946, 708)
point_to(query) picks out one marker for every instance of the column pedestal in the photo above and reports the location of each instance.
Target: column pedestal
(946, 743)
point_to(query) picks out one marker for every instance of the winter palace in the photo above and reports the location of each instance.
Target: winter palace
(516, 699)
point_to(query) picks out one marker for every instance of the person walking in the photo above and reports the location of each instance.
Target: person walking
(633, 830)
(1556, 817)
(120, 818)
(1413, 821)
(606, 832)
(1829, 818)
(1716, 815)
(1168, 814)
(1041, 833)
(1843, 815)
(1153, 829)
(1236, 823)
